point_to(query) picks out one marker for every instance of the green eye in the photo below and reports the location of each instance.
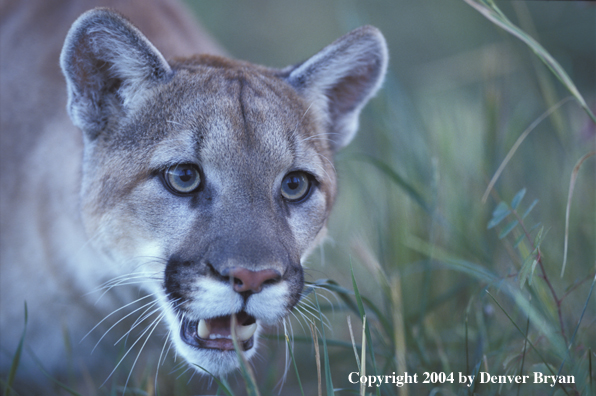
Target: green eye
(182, 179)
(295, 186)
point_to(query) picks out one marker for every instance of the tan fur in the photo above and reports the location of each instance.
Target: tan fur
(42, 237)
(88, 203)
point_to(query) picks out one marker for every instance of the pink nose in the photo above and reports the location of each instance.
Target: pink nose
(245, 280)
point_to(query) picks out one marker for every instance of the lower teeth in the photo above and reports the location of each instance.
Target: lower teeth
(219, 336)
(243, 333)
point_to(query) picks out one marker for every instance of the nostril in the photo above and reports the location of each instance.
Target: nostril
(247, 280)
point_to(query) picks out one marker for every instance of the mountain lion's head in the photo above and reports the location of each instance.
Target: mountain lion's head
(210, 178)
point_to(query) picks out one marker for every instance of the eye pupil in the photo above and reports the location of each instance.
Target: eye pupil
(293, 183)
(185, 175)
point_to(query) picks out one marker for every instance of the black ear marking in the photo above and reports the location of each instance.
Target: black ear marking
(108, 65)
(341, 78)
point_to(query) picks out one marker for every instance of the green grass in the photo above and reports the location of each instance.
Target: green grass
(475, 106)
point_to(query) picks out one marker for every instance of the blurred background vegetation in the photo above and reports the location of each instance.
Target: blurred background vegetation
(449, 282)
(410, 218)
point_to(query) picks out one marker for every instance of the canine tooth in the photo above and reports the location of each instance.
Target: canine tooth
(204, 329)
(245, 332)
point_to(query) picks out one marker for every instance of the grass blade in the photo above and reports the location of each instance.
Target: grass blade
(245, 370)
(294, 362)
(521, 369)
(363, 367)
(54, 380)
(447, 260)
(518, 143)
(396, 178)
(494, 14)
(590, 369)
(362, 314)
(568, 208)
(353, 343)
(315, 339)
(328, 380)
(466, 335)
(17, 357)
(524, 335)
(399, 329)
(577, 327)
(219, 383)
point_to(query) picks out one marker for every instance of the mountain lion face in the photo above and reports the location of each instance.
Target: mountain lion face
(211, 179)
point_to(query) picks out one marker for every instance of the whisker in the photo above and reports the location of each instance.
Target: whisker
(167, 350)
(326, 322)
(305, 318)
(330, 162)
(329, 301)
(150, 304)
(301, 119)
(87, 242)
(191, 376)
(154, 324)
(113, 312)
(323, 169)
(123, 280)
(163, 356)
(312, 287)
(127, 352)
(122, 283)
(184, 372)
(116, 279)
(175, 123)
(307, 304)
(316, 137)
(139, 320)
(298, 320)
(177, 367)
(308, 308)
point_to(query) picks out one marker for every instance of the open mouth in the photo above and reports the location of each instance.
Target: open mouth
(215, 333)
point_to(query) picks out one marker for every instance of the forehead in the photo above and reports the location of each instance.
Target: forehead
(228, 118)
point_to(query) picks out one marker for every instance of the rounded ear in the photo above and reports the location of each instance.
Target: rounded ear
(108, 65)
(340, 79)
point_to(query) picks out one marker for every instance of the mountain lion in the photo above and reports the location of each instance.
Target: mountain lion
(201, 180)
